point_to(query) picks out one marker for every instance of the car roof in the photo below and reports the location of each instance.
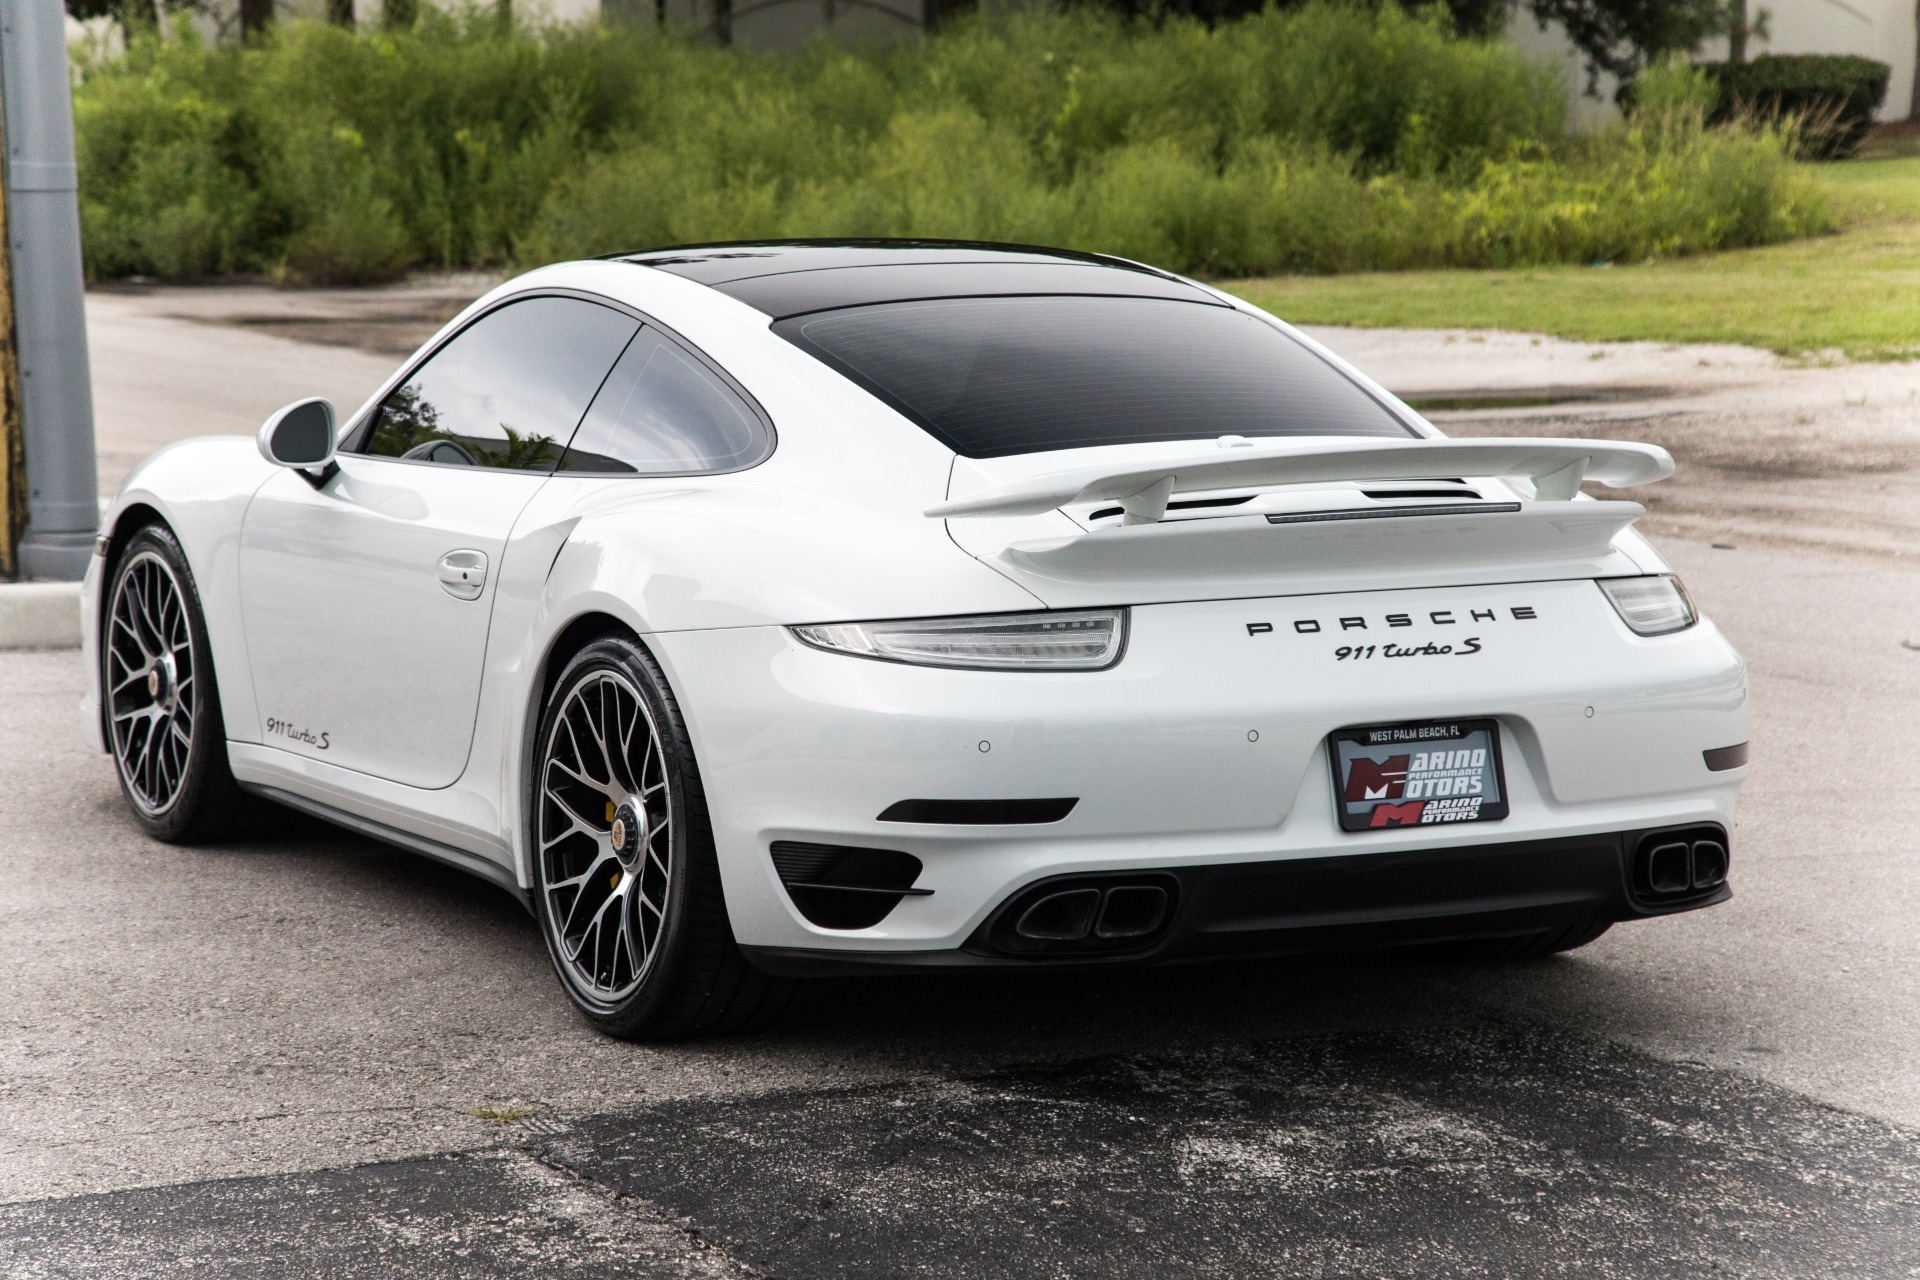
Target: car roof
(785, 278)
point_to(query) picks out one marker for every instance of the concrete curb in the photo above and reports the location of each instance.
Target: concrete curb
(39, 615)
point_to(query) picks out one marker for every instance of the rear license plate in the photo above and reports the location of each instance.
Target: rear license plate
(1417, 775)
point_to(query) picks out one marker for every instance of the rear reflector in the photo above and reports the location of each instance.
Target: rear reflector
(979, 813)
(1720, 759)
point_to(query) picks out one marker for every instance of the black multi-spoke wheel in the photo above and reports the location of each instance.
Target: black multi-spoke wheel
(161, 709)
(606, 835)
(626, 883)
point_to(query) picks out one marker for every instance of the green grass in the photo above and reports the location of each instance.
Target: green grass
(1855, 293)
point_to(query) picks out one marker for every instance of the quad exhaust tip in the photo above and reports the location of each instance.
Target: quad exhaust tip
(1113, 914)
(1125, 911)
(1677, 865)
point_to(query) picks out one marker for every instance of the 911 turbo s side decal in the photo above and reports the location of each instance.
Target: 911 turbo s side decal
(295, 733)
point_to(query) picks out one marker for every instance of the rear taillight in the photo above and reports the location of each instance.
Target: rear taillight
(1651, 606)
(1084, 640)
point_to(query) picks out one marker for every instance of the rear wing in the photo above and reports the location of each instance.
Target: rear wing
(1555, 467)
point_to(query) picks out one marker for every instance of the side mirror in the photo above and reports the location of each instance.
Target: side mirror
(302, 436)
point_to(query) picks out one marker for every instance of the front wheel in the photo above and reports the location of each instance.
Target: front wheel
(626, 881)
(162, 707)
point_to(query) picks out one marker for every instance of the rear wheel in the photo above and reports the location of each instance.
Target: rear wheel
(162, 706)
(626, 882)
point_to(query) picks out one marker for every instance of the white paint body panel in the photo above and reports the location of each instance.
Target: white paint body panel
(359, 656)
(802, 745)
(795, 743)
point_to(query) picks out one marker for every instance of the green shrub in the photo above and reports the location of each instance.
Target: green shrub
(166, 191)
(1671, 89)
(1834, 98)
(1321, 138)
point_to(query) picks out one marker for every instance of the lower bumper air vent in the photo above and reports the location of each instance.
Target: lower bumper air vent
(842, 887)
(1680, 867)
(1083, 915)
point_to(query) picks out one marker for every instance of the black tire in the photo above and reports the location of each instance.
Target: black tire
(161, 700)
(626, 882)
(1525, 946)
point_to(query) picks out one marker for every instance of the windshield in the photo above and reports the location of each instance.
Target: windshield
(996, 376)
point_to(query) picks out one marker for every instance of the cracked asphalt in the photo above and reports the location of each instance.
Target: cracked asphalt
(309, 1055)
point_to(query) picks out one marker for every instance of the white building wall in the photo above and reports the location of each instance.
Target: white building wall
(1590, 111)
(1884, 30)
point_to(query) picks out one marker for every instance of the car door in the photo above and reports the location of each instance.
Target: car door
(367, 598)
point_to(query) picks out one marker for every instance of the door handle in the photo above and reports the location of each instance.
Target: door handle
(463, 574)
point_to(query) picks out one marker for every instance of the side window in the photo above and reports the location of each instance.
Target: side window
(508, 390)
(663, 412)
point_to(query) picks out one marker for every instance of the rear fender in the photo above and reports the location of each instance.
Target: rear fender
(702, 554)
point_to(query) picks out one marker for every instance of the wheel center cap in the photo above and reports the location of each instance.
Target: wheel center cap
(160, 684)
(625, 834)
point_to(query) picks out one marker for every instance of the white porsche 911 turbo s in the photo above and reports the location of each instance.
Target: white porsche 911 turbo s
(762, 610)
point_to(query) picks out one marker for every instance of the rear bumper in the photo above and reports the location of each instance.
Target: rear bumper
(1205, 747)
(1348, 903)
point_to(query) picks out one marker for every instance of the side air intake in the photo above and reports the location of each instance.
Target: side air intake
(843, 887)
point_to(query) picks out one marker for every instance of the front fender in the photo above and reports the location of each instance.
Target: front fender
(200, 488)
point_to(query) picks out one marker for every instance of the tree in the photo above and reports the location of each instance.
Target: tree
(255, 17)
(1617, 36)
(1470, 17)
(130, 14)
(1622, 36)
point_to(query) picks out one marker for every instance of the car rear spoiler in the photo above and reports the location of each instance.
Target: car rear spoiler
(1556, 468)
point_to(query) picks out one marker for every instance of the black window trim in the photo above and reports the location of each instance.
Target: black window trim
(360, 431)
(860, 380)
(717, 250)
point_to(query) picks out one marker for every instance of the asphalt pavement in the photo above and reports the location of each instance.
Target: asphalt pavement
(311, 1055)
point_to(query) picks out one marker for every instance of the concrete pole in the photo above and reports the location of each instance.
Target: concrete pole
(13, 467)
(49, 301)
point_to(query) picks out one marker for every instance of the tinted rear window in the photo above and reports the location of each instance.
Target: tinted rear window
(997, 376)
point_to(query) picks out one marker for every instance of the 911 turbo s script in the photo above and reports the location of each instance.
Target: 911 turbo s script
(1358, 653)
